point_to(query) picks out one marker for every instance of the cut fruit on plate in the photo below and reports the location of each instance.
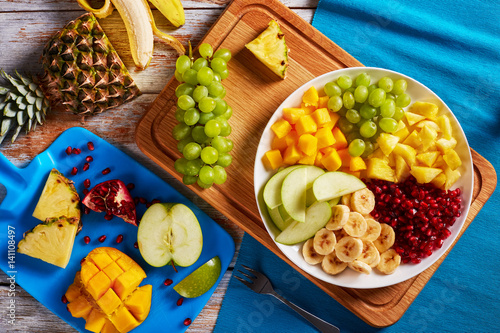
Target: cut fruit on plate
(201, 280)
(271, 49)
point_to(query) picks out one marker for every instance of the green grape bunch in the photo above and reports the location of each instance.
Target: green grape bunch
(367, 109)
(203, 117)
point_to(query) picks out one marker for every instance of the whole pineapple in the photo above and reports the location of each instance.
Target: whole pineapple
(82, 71)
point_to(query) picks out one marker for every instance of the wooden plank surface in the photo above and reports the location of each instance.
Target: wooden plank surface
(25, 25)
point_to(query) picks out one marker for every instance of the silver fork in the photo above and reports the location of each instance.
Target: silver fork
(259, 283)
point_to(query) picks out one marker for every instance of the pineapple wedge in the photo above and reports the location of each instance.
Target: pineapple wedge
(428, 110)
(424, 175)
(380, 169)
(271, 49)
(387, 142)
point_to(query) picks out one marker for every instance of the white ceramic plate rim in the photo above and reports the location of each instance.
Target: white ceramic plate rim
(349, 278)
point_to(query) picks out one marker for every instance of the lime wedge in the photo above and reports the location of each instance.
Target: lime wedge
(201, 280)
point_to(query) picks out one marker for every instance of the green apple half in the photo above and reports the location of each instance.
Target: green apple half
(201, 280)
(170, 232)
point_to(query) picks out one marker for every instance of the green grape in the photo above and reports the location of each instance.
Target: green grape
(368, 112)
(371, 88)
(182, 143)
(361, 122)
(223, 54)
(225, 128)
(206, 50)
(224, 160)
(376, 97)
(345, 125)
(207, 104)
(219, 143)
(209, 155)
(398, 113)
(216, 89)
(363, 79)
(400, 86)
(403, 100)
(198, 134)
(206, 174)
(193, 167)
(190, 76)
(361, 94)
(335, 103)
(184, 89)
(390, 96)
(368, 129)
(220, 107)
(199, 64)
(185, 102)
(228, 113)
(388, 125)
(200, 92)
(181, 131)
(178, 76)
(351, 89)
(368, 149)
(388, 108)
(356, 147)
(189, 180)
(217, 77)
(348, 100)
(342, 112)
(332, 89)
(202, 184)
(224, 74)
(182, 64)
(205, 76)
(344, 82)
(220, 175)
(386, 84)
(192, 151)
(219, 65)
(353, 136)
(205, 117)
(229, 145)
(212, 128)
(179, 114)
(353, 116)
(180, 165)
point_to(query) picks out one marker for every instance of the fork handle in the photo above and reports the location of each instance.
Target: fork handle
(319, 323)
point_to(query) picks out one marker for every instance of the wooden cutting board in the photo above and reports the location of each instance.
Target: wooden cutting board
(255, 93)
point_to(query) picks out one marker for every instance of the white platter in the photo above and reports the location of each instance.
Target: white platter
(350, 278)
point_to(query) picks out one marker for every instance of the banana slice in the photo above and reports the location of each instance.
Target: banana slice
(310, 255)
(389, 261)
(360, 267)
(349, 249)
(386, 238)
(340, 215)
(356, 225)
(370, 255)
(332, 265)
(339, 234)
(373, 229)
(324, 241)
(363, 201)
(346, 200)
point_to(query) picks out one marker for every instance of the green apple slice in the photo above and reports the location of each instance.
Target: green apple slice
(272, 190)
(201, 280)
(169, 232)
(335, 184)
(317, 216)
(280, 221)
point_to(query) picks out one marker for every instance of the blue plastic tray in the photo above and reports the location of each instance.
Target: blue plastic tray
(47, 283)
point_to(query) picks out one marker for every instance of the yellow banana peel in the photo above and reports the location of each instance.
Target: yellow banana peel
(172, 10)
(102, 12)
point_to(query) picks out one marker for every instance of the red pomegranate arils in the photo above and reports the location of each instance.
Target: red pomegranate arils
(76, 151)
(74, 171)
(187, 321)
(85, 192)
(86, 239)
(86, 210)
(89, 158)
(136, 200)
(136, 245)
(108, 217)
(64, 299)
(106, 171)
(90, 145)
(119, 239)
(69, 150)
(86, 183)
(130, 186)
(86, 167)
(180, 301)
(155, 201)
(168, 282)
(142, 200)
(102, 238)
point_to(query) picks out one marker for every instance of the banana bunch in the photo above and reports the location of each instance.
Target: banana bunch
(140, 24)
(352, 238)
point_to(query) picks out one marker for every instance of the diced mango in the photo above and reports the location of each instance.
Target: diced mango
(323, 102)
(139, 303)
(112, 271)
(354, 173)
(387, 142)
(357, 164)
(73, 292)
(428, 159)
(340, 139)
(127, 282)
(272, 159)
(325, 137)
(89, 269)
(379, 169)
(307, 160)
(345, 157)
(98, 285)
(428, 110)
(331, 161)
(308, 108)
(101, 259)
(413, 118)
(109, 302)
(109, 327)
(95, 321)
(80, 307)
(123, 320)
(311, 97)
(317, 160)
(279, 143)
(308, 144)
(292, 138)
(293, 114)
(424, 175)
(452, 159)
(321, 116)
(281, 128)
(306, 124)
(291, 155)
(445, 125)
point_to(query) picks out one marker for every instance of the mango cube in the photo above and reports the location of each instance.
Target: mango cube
(89, 269)
(80, 307)
(325, 137)
(279, 143)
(112, 271)
(323, 102)
(307, 160)
(357, 164)
(321, 116)
(95, 321)
(139, 303)
(308, 144)
(345, 157)
(317, 160)
(311, 97)
(73, 292)
(272, 159)
(292, 138)
(281, 128)
(331, 161)
(123, 320)
(306, 124)
(102, 260)
(127, 282)
(293, 114)
(340, 139)
(291, 155)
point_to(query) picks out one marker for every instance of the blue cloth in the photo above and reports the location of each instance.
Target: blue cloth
(453, 47)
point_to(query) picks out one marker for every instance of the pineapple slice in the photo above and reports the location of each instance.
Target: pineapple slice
(452, 159)
(402, 169)
(413, 118)
(271, 49)
(58, 198)
(428, 110)
(387, 142)
(380, 169)
(51, 241)
(424, 174)
(428, 158)
(407, 152)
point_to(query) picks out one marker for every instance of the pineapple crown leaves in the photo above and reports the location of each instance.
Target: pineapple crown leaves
(22, 105)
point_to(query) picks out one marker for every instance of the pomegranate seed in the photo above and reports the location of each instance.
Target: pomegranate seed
(89, 158)
(119, 239)
(86, 210)
(68, 309)
(180, 301)
(108, 217)
(130, 186)
(187, 321)
(64, 299)
(90, 145)
(86, 239)
(136, 201)
(148, 204)
(142, 200)
(168, 282)
(155, 201)
(74, 171)
(106, 171)
(85, 191)
(69, 150)
(136, 245)
(76, 151)
(86, 183)
(102, 238)
(86, 167)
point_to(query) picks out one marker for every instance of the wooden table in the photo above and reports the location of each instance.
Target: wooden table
(25, 26)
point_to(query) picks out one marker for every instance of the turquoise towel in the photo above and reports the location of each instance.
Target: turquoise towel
(453, 47)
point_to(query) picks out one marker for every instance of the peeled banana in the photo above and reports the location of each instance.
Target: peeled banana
(171, 9)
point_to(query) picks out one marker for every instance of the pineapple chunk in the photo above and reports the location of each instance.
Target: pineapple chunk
(429, 158)
(424, 175)
(439, 181)
(413, 140)
(387, 142)
(445, 125)
(428, 123)
(428, 137)
(413, 118)
(451, 177)
(380, 169)
(428, 110)
(445, 145)
(402, 131)
(452, 159)
(402, 169)
(407, 152)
